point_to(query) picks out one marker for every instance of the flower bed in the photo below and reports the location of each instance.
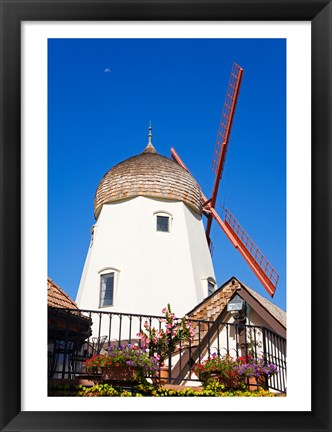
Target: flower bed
(106, 390)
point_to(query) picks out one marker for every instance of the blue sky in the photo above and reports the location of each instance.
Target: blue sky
(98, 118)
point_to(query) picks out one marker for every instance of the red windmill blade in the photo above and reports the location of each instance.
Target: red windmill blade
(224, 132)
(263, 270)
(259, 264)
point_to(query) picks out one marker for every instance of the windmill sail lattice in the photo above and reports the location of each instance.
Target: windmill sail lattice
(223, 135)
(252, 253)
(225, 125)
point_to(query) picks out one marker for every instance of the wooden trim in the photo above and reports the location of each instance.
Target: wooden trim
(186, 359)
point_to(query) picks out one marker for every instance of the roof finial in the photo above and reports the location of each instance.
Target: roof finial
(149, 147)
(150, 134)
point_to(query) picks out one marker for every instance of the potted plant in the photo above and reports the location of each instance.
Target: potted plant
(123, 363)
(235, 372)
(256, 370)
(221, 369)
(172, 334)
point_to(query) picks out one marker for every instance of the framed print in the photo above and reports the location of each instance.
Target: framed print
(46, 161)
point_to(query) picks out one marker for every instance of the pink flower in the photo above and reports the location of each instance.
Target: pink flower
(164, 310)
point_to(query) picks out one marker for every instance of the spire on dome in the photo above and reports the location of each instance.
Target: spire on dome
(150, 133)
(149, 148)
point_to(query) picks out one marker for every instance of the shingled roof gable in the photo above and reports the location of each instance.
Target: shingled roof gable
(56, 297)
(212, 306)
(275, 311)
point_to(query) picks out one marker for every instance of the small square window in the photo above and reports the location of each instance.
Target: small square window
(163, 223)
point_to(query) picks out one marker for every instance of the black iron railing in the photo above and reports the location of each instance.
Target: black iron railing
(74, 336)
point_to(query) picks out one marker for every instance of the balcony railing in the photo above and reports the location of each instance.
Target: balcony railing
(74, 336)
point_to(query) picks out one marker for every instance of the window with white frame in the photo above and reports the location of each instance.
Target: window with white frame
(106, 289)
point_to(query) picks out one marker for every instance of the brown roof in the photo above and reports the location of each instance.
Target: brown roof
(211, 307)
(275, 311)
(148, 174)
(56, 297)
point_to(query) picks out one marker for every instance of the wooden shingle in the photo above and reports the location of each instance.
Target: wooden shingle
(148, 174)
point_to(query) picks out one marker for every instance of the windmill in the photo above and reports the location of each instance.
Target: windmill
(258, 263)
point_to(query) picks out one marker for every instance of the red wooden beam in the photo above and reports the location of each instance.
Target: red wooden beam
(237, 243)
(224, 132)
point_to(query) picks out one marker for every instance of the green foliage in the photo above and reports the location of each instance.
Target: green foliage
(214, 389)
(98, 390)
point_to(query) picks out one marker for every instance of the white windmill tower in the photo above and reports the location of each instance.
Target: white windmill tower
(148, 245)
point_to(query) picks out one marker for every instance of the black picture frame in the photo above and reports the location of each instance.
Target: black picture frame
(13, 12)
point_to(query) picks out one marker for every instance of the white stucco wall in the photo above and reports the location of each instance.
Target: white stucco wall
(152, 268)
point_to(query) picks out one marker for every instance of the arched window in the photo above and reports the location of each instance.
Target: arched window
(106, 289)
(209, 285)
(108, 280)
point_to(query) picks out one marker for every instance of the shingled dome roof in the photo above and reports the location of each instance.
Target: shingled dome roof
(151, 175)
